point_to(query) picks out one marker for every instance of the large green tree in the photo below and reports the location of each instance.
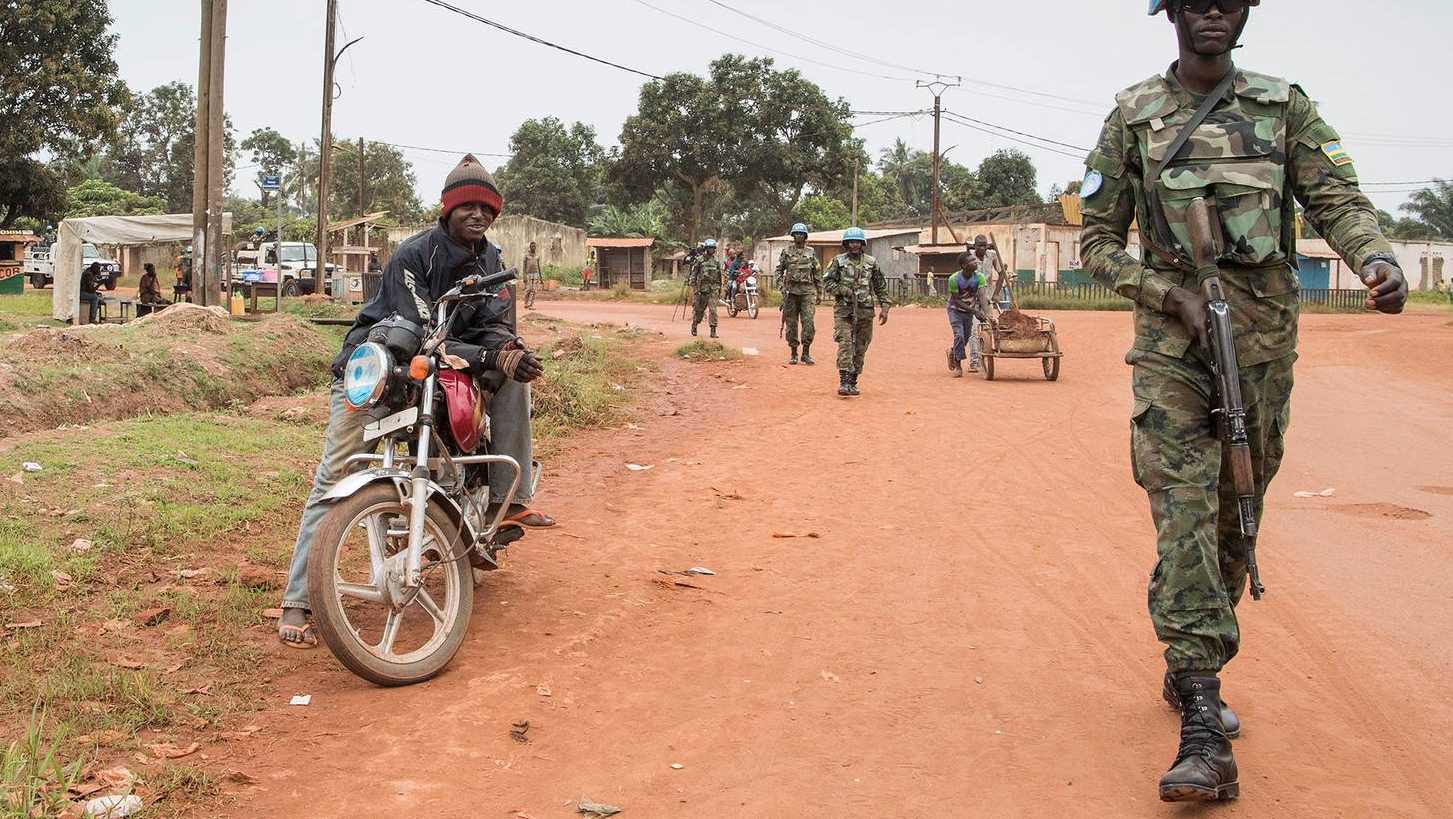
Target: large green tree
(1006, 178)
(153, 154)
(58, 92)
(388, 182)
(97, 198)
(272, 153)
(553, 172)
(1433, 207)
(769, 135)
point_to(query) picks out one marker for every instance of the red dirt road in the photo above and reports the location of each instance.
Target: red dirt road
(967, 637)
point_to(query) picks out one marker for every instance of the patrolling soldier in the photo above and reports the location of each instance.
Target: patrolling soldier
(705, 282)
(799, 277)
(1254, 146)
(854, 279)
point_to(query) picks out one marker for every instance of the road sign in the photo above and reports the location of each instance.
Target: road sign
(272, 183)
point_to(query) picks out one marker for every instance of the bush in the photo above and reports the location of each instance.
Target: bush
(700, 350)
(568, 277)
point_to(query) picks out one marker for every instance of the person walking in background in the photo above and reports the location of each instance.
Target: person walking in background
(530, 267)
(586, 272)
(854, 279)
(148, 290)
(800, 282)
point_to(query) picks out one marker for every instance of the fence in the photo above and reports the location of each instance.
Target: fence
(1335, 299)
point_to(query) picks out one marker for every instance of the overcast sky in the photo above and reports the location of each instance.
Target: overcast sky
(423, 76)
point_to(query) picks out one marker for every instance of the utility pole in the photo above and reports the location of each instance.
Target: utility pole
(208, 160)
(938, 86)
(200, 152)
(216, 161)
(325, 149)
(362, 229)
(856, 164)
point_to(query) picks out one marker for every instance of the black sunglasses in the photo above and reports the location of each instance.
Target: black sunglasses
(1204, 6)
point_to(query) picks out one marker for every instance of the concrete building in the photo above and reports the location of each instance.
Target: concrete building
(559, 245)
(1426, 264)
(888, 246)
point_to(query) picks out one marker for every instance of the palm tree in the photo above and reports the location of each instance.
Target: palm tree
(1434, 206)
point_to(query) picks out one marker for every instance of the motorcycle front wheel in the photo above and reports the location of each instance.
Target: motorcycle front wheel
(379, 631)
(752, 306)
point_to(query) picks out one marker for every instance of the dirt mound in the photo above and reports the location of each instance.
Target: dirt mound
(69, 346)
(1018, 325)
(185, 358)
(186, 318)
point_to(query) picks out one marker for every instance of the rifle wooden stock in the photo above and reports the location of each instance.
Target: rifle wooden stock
(1230, 411)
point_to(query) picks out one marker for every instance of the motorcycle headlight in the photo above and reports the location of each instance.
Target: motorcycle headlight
(752, 280)
(365, 377)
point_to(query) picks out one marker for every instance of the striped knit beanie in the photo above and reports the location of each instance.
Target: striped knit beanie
(470, 182)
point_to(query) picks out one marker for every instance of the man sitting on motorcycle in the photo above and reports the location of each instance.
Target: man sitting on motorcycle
(424, 268)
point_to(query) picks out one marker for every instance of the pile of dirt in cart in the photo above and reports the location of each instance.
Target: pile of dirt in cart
(184, 358)
(1015, 324)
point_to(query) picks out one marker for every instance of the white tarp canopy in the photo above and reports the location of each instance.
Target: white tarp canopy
(108, 230)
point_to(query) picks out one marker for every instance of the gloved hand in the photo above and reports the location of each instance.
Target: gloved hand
(883, 315)
(521, 365)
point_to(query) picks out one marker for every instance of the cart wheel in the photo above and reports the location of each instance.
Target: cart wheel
(1051, 368)
(986, 366)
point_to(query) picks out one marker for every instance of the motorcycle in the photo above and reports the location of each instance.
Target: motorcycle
(742, 294)
(389, 574)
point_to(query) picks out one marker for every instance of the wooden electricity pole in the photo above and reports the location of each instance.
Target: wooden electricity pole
(325, 149)
(938, 86)
(208, 159)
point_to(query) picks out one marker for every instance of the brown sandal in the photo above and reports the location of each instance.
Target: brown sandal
(304, 641)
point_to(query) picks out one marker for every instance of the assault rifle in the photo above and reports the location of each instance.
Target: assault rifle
(1229, 412)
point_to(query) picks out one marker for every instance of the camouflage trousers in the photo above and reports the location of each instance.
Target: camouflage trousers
(1177, 459)
(703, 302)
(852, 335)
(799, 308)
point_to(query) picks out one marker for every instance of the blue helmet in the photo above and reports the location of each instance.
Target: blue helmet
(798, 228)
(1157, 5)
(709, 244)
(854, 234)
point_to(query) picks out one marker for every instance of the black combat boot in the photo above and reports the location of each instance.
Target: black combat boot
(844, 385)
(793, 359)
(1229, 721)
(853, 384)
(807, 354)
(693, 328)
(713, 331)
(1205, 769)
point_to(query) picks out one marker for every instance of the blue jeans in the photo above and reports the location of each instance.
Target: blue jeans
(94, 299)
(963, 327)
(510, 431)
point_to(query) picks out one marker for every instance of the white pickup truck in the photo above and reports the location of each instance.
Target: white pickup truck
(40, 268)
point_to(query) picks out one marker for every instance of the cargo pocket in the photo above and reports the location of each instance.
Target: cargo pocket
(1137, 437)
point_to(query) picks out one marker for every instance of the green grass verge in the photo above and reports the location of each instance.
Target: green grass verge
(587, 385)
(700, 350)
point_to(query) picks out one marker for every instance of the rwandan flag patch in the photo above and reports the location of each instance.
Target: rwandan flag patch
(1336, 153)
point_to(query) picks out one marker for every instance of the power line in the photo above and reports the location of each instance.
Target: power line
(1027, 91)
(532, 38)
(720, 33)
(956, 120)
(826, 45)
(1012, 131)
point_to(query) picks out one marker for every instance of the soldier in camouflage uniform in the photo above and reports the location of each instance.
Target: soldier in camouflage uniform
(1261, 149)
(705, 283)
(799, 278)
(854, 279)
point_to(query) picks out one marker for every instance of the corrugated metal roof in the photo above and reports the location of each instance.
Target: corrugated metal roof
(619, 241)
(355, 222)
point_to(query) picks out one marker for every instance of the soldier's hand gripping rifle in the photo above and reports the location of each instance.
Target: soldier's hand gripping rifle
(1229, 412)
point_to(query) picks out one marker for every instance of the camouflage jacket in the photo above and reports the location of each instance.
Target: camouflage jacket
(798, 271)
(864, 277)
(705, 275)
(1256, 155)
